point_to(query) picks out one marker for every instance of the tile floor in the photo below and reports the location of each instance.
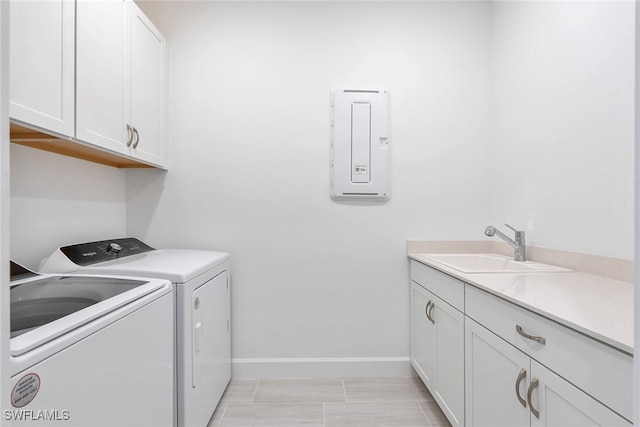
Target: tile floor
(328, 402)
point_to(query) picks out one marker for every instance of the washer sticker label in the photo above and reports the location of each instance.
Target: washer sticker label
(25, 390)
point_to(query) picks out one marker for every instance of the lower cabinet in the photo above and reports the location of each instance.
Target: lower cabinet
(505, 387)
(497, 376)
(437, 350)
(490, 363)
(559, 404)
(422, 331)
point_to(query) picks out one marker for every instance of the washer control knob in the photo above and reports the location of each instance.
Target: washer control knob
(114, 247)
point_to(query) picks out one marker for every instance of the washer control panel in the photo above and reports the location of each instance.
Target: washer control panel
(104, 250)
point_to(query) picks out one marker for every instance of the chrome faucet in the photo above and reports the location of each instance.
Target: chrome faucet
(519, 250)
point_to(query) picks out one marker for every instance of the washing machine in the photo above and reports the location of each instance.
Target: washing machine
(201, 281)
(89, 350)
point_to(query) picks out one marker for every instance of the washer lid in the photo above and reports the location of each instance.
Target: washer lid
(46, 307)
(35, 303)
(175, 265)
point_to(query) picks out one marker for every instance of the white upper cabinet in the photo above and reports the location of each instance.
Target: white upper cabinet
(120, 80)
(147, 89)
(41, 62)
(116, 94)
(101, 74)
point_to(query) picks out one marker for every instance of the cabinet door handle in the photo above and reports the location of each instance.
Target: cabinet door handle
(130, 133)
(521, 376)
(431, 315)
(520, 331)
(135, 131)
(426, 310)
(532, 386)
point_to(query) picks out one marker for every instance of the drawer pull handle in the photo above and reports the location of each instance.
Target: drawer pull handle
(533, 386)
(520, 331)
(521, 376)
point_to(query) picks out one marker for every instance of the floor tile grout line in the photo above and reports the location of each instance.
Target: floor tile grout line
(425, 414)
(222, 416)
(316, 402)
(287, 402)
(425, 403)
(324, 418)
(253, 398)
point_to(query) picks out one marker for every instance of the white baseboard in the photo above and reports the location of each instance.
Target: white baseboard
(322, 367)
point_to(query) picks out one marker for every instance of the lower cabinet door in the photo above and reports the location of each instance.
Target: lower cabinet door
(496, 380)
(557, 403)
(422, 332)
(449, 360)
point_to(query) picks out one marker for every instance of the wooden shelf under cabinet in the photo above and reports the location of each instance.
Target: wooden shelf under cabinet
(69, 147)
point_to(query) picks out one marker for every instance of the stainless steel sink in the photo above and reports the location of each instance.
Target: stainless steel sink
(489, 263)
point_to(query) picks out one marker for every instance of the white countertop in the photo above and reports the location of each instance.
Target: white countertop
(595, 306)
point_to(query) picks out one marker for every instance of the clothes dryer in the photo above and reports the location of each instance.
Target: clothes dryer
(201, 281)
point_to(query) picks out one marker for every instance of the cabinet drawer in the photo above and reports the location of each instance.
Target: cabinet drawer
(599, 370)
(444, 286)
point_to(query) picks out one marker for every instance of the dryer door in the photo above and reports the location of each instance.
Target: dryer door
(209, 325)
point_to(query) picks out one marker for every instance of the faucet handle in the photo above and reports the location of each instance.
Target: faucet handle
(518, 232)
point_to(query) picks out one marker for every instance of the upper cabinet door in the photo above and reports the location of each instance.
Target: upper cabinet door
(41, 62)
(147, 89)
(102, 75)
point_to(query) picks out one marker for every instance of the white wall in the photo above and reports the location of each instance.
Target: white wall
(636, 277)
(58, 200)
(249, 132)
(4, 202)
(562, 151)
(506, 111)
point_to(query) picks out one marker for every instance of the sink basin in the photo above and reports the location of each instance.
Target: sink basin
(489, 263)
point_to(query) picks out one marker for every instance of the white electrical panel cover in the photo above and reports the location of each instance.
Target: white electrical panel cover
(360, 144)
